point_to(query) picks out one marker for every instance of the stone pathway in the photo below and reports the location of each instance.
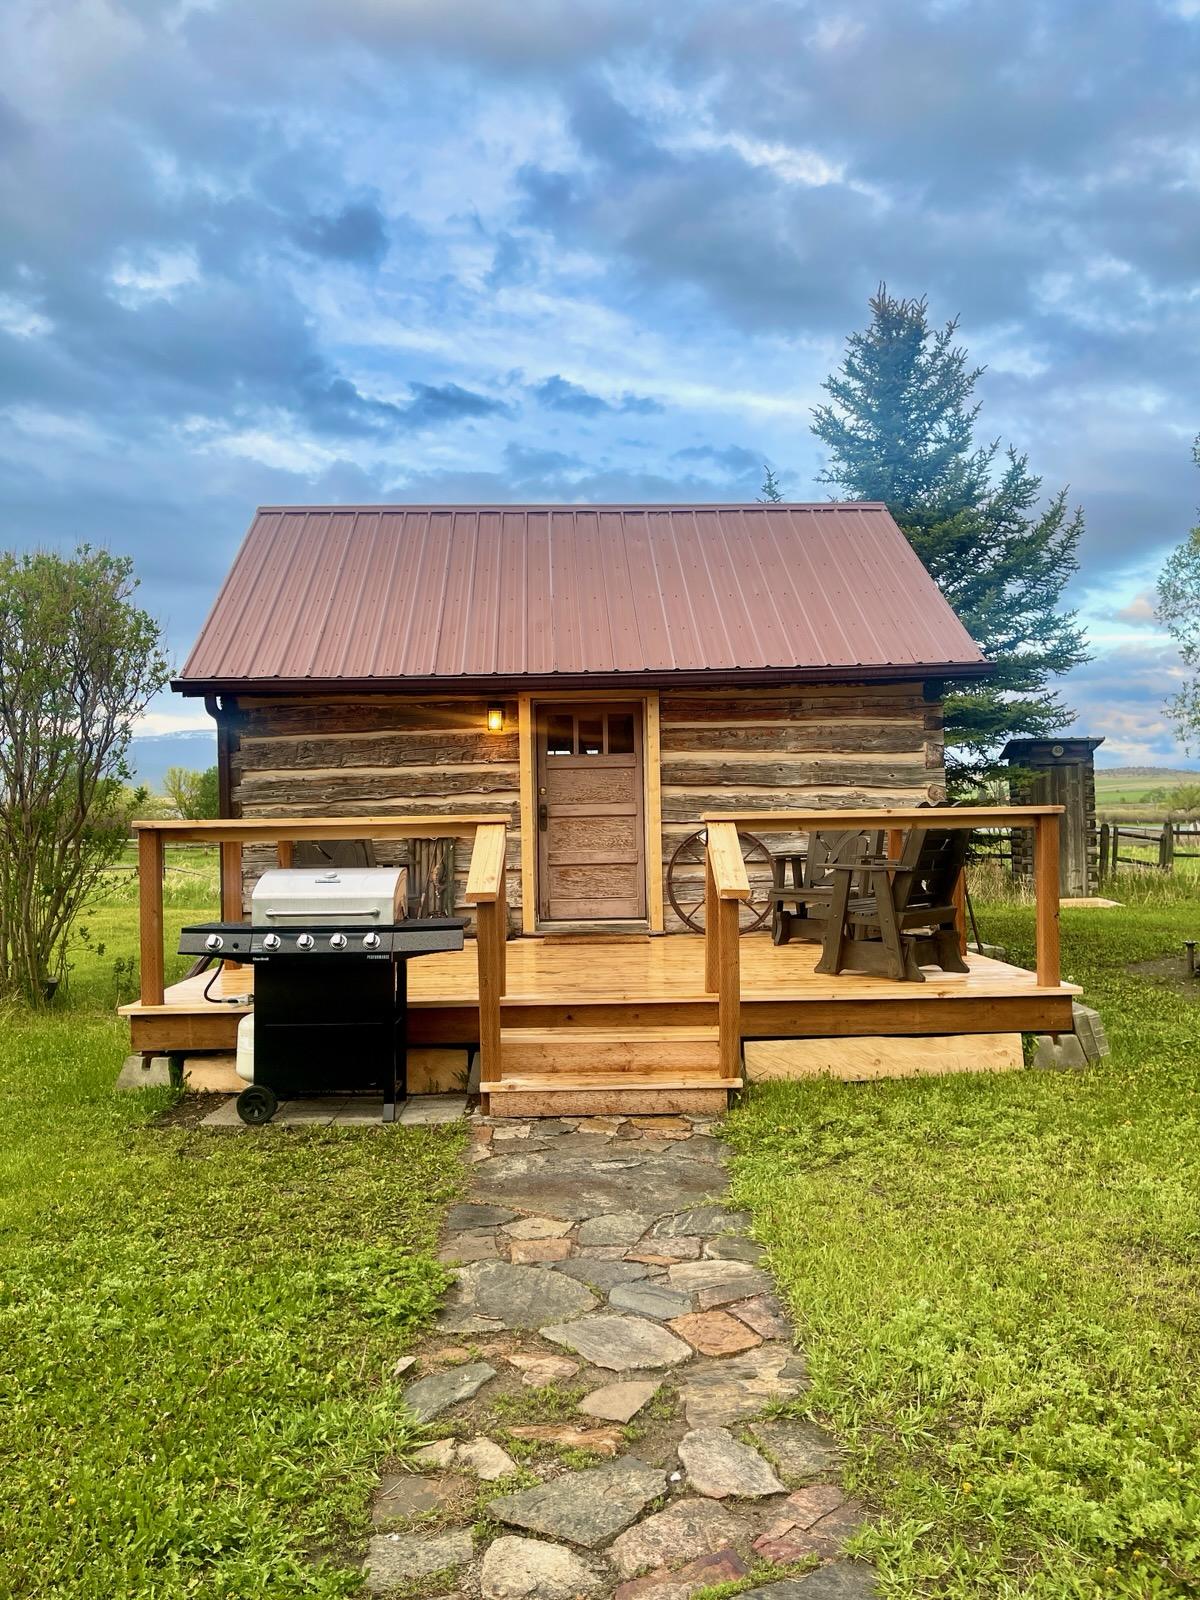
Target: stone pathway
(600, 1386)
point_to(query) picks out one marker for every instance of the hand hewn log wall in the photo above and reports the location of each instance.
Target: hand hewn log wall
(745, 750)
(376, 755)
(767, 750)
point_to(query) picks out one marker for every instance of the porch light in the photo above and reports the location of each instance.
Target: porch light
(495, 719)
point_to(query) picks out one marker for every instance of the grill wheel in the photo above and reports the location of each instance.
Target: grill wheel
(257, 1104)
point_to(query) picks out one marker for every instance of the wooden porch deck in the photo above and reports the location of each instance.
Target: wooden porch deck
(592, 1023)
(603, 1009)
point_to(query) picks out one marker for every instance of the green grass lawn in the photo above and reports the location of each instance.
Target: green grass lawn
(196, 1331)
(998, 1283)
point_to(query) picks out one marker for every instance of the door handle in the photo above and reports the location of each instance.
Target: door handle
(543, 817)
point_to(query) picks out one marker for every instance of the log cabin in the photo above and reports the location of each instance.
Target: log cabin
(604, 681)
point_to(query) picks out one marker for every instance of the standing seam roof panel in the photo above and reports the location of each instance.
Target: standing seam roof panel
(325, 593)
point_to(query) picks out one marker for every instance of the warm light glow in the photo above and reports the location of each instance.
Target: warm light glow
(495, 719)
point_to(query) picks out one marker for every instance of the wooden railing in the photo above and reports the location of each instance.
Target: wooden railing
(487, 893)
(485, 886)
(726, 885)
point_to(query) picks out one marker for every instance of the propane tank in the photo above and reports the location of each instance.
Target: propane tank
(245, 1048)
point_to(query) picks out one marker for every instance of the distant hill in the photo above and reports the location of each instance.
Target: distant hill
(151, 754)
(1149, 774)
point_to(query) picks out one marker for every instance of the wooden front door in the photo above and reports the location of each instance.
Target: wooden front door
(591, 832)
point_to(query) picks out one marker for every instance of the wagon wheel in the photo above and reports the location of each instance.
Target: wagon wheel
(685, 881)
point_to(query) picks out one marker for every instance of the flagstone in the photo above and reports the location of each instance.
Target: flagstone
(687, 1528)
(523, 1251)
(617, 1227)
(680, 1583)
(715, 1333)
(619, 1342)
(741, 1386)
(800, 1449)
(536, 1228)
(530, 1569)
(718, 1465)
(429, 1397)
(587, 1507)
(618, 1402)
(519, 1296)
(395, 1558)
(652, 1300)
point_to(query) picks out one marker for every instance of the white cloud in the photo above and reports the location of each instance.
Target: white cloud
(189, 718)
(18, 317)
(153, 275)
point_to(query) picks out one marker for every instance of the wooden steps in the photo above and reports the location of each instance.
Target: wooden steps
(581, 1071)
(621, 1094)
(651, 1052)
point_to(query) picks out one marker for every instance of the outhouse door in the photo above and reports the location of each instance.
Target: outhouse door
(591, 833)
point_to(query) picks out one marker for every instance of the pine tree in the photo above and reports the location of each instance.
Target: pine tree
(900, 427)
(771, 493)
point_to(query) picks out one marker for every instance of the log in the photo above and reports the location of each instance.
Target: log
(792, 775)
(336, 792)
(848, 737)
(403, 749)
(766, 705)
(375, 714)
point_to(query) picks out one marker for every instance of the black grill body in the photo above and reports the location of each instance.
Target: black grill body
(328, 1020)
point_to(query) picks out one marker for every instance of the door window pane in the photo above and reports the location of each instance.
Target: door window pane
(560, 734)
(591, 736)
(620, 733)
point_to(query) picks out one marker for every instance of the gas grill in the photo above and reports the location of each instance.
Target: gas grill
(330, 949)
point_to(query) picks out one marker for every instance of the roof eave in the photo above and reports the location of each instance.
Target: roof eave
(708, 678)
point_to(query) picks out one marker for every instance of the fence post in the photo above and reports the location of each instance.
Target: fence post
(1116, 848)
(1166, 849)
(1105, 847)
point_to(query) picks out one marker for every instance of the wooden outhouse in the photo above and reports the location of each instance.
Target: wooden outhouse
(604, 674)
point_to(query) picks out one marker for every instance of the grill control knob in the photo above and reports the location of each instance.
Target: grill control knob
(371, 941)
(337, 941)
(213, 942)
(305, 941)
(272, 941)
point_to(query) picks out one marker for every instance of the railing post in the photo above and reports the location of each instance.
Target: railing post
(231, 881)
(729, 989)
(150, 915)
(486, 891)
(712, 932)
(489, 993)
(285, 852)
(1045, 889)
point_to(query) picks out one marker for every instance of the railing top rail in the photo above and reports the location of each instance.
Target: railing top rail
(252, 830)
(886, 817)
(485, 877)
(725, 859)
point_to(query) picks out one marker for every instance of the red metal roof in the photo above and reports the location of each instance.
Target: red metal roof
(468, 595)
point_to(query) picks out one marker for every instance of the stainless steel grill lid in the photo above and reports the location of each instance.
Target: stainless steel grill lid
(350, 896)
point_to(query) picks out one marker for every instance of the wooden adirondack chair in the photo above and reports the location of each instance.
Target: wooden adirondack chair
(907, 916)
(801, 907)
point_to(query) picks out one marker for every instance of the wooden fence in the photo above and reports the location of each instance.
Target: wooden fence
(1148, 847)
(1152, 847)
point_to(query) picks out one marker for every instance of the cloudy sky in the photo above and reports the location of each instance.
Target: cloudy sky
(260, 251)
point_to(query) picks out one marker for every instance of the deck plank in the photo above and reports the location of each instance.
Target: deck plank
(662, 971)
